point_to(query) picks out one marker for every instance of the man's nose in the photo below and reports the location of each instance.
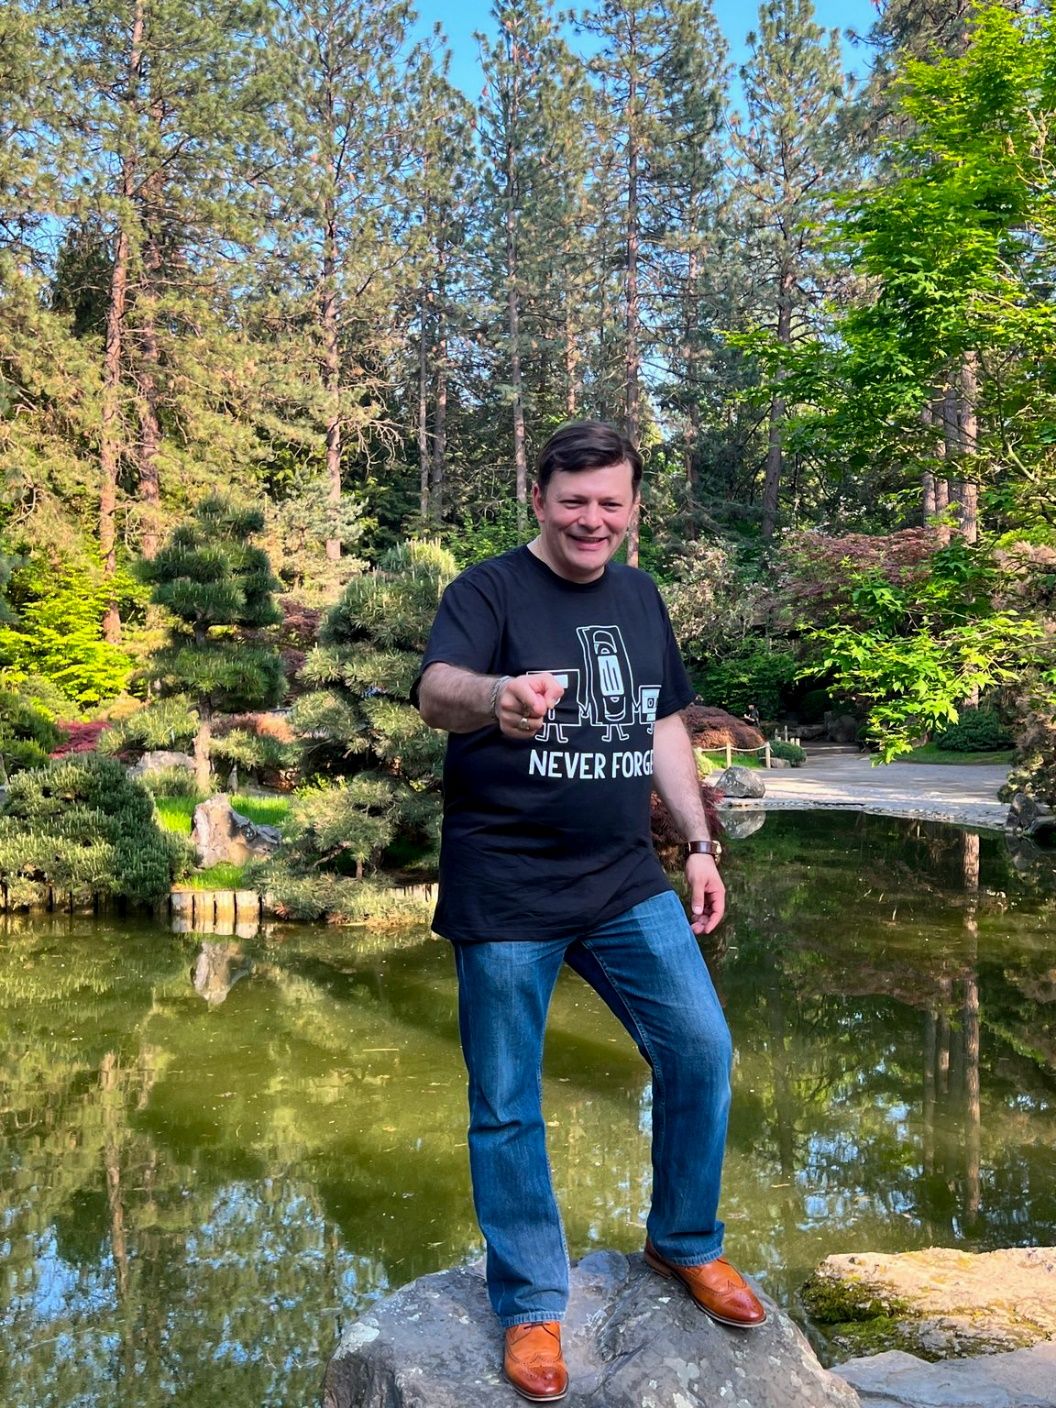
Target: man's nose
(590, 516)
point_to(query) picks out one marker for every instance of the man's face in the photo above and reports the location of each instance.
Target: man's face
(583, 518)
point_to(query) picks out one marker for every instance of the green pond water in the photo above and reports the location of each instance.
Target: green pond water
(217, 1151)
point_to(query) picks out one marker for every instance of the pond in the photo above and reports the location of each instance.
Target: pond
(216, 1151)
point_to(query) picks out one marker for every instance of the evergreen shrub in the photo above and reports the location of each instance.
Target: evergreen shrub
(82, 827)
(976, 731)
(168, 724)
(789, 752)
(28, 732)
(755, 671)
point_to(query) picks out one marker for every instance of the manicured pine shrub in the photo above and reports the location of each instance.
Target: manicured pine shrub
(218, 590)
(82, 828)
(374, 766)
(976, 731)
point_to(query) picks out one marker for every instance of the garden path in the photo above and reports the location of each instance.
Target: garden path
(965, 793)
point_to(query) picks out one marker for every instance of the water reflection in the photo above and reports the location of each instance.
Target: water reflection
(215, 1151)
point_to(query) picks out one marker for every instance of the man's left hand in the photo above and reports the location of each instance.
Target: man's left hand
(707, 894)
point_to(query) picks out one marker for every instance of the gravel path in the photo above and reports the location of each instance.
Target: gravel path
(935, 792)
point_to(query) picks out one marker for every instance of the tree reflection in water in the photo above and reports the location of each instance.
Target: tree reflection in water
(196, 1195)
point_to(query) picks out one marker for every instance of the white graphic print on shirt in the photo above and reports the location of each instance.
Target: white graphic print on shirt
(603, 696)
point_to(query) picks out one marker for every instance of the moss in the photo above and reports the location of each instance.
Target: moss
(857, 1318)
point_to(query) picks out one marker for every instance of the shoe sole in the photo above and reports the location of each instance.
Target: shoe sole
(535, 1397)
(669, 1274)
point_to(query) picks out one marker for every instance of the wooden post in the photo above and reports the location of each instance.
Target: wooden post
(766, 754)
(729, 754)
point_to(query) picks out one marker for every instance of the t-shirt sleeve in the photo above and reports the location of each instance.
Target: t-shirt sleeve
(465, 633)
(676, 691)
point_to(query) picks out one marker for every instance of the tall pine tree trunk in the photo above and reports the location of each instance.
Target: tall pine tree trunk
(423, 412)
(331, 365)
(690, 359)
(110, 428)
(149, 363)
(632, 311)
(513, 310)
(775, 446)
(439, 457)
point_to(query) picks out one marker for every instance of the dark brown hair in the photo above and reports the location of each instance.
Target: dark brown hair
(586, 444)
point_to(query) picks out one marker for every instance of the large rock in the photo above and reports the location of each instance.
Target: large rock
(1027, 817)
(936, 1303)
(741, 822)
(1025, 1378)
(740, 782)
(631, 1339)
(842, 728)
(221, 834)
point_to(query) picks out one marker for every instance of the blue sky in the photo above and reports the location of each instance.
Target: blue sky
(460, 19)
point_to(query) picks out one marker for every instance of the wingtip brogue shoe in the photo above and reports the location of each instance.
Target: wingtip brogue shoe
(718, 1289)
(533, 1361)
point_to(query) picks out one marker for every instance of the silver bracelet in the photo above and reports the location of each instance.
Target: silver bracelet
(496, 689)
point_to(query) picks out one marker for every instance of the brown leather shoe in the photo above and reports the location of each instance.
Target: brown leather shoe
(533, 1361)
(717, 1287)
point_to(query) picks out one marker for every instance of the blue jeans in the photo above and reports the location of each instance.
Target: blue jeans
(647, 967)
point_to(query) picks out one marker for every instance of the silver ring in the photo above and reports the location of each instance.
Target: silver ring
(524, 726)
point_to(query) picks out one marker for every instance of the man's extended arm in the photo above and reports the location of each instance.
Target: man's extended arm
(676, 779)
(460, 701)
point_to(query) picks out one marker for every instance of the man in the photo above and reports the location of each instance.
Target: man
(557, 676)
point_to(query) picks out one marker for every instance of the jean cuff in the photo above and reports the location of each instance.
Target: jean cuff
(530, 1317)
(700, 1259)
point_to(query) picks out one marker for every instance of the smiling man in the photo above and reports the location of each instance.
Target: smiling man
(556, 674)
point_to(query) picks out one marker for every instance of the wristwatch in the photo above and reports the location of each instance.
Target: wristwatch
(703, 848)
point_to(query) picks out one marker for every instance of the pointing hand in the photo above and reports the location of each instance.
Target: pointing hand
(524, 703)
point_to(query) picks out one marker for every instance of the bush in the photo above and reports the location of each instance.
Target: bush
(790, 752)
(82, 827)
(976, 731)
(27, 732)
(711, 729)
(164, 723)
(170, 782)
(754, 672)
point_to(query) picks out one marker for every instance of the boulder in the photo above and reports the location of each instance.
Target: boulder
(740, 822)
(1024, 1378)
(1026, 817)
(221, 834)
(780, 763)
(631, 1340)
(935, 1303)
(842, 728)
(740, 782)
(160, 759)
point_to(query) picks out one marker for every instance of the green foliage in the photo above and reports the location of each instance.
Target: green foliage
(912, 652)
(83, 827)
(27, 725)
(377, 765)
(170, 783)
(339, 899)
(790, 752)
(257, 753)
(57, 634)
(485, 535)
(756, 671)
(218, 587)
(976, 731)
(168, 724)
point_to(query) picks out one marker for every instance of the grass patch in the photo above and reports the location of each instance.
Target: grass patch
(176, 813)
(265, 811)
(932, 753)
(711, 760)
(224, 876)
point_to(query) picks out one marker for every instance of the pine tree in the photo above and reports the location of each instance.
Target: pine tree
(793, 85)
(526, 112)
(166, 99)
(358, 724)
(218, 589)
(344, 135)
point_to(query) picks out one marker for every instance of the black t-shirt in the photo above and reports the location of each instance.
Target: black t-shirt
(549, 836)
